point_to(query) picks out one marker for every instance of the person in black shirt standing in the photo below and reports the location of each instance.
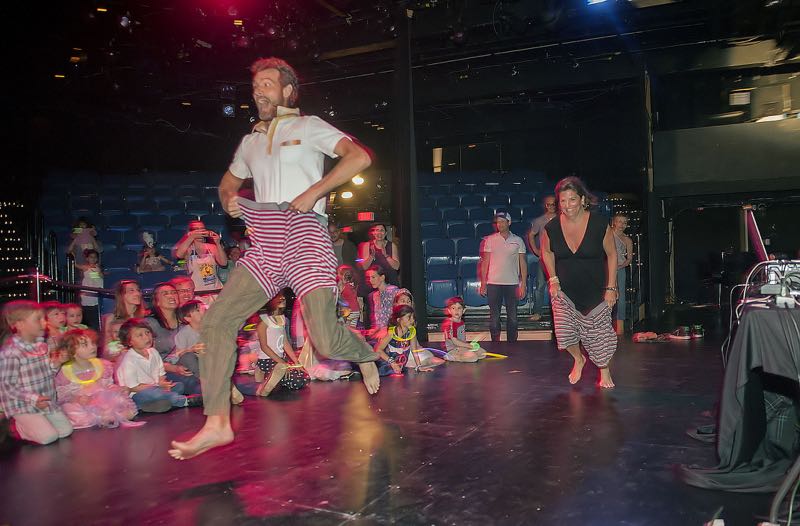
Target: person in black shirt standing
(581, 262)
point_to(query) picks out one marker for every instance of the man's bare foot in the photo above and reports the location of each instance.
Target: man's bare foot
(205, 439)
(577, 369)
(605, 378)
(369, 374)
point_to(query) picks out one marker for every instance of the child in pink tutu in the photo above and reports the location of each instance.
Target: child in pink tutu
(85, 386)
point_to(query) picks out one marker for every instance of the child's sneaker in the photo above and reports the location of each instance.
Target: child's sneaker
(681, 333)
(697, 331)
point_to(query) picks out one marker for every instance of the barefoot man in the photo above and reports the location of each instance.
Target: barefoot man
(291, 247)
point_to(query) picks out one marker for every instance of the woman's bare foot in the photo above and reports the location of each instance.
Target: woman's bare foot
(369, 374)
(605, 378)
(577, 369)
(207, 438)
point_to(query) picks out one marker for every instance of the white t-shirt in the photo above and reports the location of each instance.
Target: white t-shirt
(299, 146)
(504, 259)
(276, 336)
(135, 369)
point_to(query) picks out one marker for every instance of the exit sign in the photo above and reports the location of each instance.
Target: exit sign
(366, 216)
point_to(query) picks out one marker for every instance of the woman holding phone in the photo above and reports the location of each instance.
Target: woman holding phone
(204, 254)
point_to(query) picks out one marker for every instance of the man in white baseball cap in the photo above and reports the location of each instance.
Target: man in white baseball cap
(503, 275)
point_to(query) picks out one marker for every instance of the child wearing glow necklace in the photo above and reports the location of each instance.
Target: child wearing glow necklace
(400, 346)
(86, 388)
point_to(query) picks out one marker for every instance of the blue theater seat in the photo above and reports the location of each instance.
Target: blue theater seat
(468, 267)
(484, 229)
(472, 200)
(198, 208)
(439, 291)
(118, 259)
(440, 272)
(429, 214)
(479, 215)
(460, 230)
(523, 199)
(425, 201)
(148, 280)
(153, 222)
(455, 214)
(496, 200)
(468, 248)
(438, 251)
(520, 228)
(431, 230)
(471, 293)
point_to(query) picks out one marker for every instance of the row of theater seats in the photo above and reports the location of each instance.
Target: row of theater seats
(445, 280)
(121, 211)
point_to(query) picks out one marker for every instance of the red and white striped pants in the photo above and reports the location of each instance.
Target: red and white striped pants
(288, 249)
(594, 329)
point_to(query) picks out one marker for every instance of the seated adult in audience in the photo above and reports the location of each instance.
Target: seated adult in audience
(344, 249)
(203, 253)
(185, 287)
(381, 253)
(234, 253)
(151, 261)
(381, 301)
(127, 304)
(164, 325)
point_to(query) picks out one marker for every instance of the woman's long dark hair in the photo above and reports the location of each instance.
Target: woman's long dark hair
(157, 313)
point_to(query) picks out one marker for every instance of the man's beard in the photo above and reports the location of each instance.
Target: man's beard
(270, 111)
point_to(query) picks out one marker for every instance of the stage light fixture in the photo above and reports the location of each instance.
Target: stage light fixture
(59, 76)
(347, 195)
(228, 110)
(186, 103)
(595, 2)
(358, 180)
(102, 10)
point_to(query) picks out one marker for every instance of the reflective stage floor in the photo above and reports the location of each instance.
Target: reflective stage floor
(506, 441)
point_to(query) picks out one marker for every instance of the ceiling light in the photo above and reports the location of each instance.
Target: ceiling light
(358, 180)
(347, 195)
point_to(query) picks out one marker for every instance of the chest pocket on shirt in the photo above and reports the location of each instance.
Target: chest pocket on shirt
(290, 152)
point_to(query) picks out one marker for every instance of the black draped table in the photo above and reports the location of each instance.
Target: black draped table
(758, 424)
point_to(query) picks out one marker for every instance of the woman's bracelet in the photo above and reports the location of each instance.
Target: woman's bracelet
(554, 279)
(615, 289)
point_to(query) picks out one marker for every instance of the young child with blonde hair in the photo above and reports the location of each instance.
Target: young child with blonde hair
(27, 372)
(85, 385)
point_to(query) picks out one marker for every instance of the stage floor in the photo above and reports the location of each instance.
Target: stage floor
(506, 441)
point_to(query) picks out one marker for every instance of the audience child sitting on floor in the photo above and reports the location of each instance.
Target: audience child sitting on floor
(187, 340)
(455, 336)
(85, 386)
(400, 346)
(318, 367)
(346, 283)
(74, 317)
(27, 375)
(277, 364)
(56, 322)
(188, 345)
(142, 371)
